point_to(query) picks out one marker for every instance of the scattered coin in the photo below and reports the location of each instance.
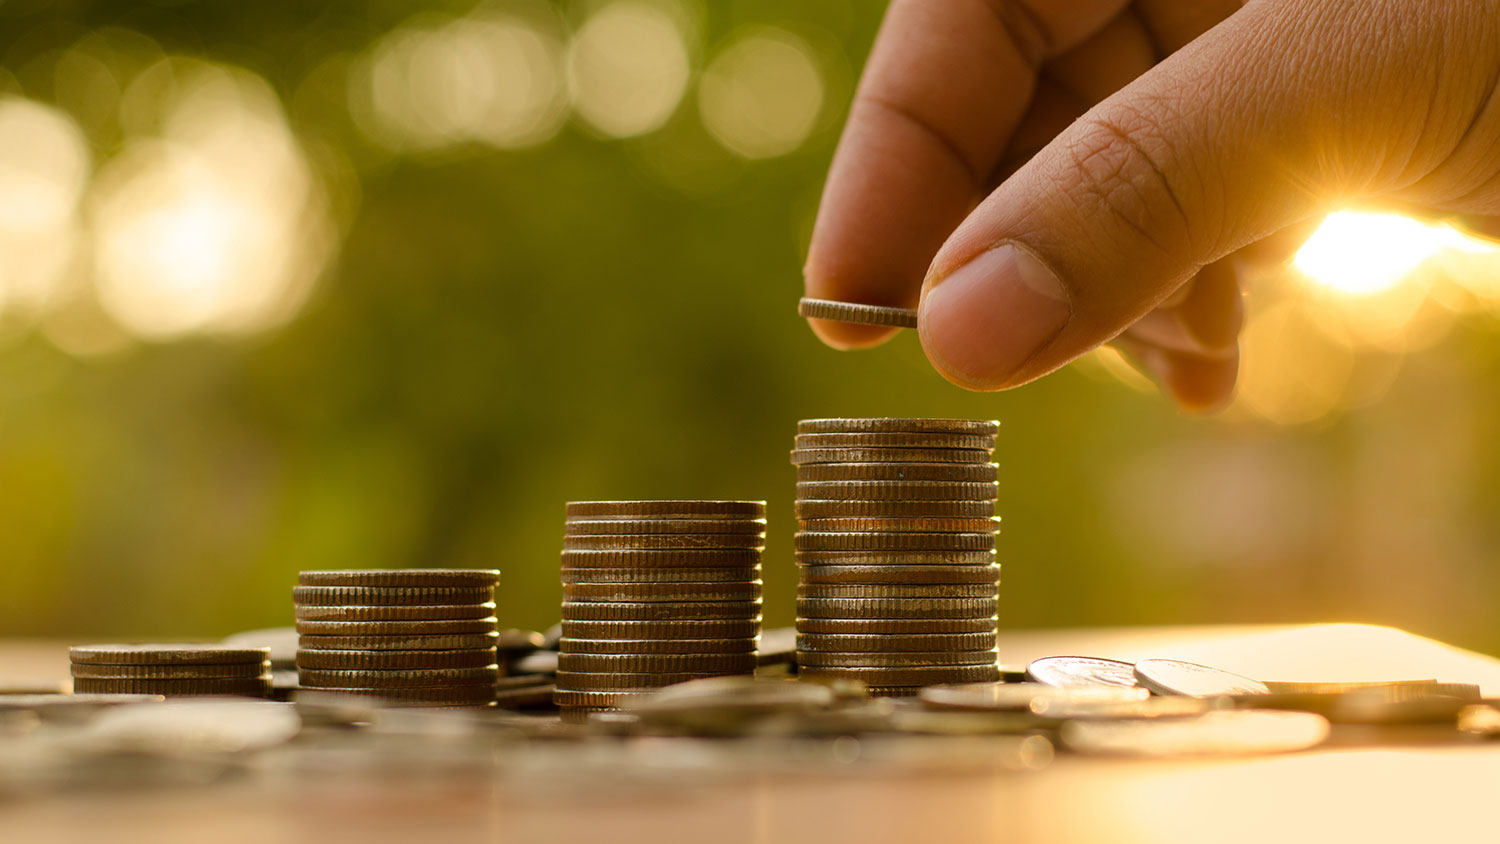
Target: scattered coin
(326, 678)
(1212, 734)
(168, 654)
(630, 592)
(841, 508)
(659, 610)
(883, 439)
(445, 627)
(809, 456)
(624, 527)
(896, 608)
(400, 642)
(745, 645)
(407, 578)
(921, 590)
(950, 472)
(812, 642)
(1069, 671)
(898, 490)
(893, 659)
(664, 509)
(415, 612)
(895, 626)
(857, 313)
(900, 574)
(366, 660)
(327, 596)
(1174, 677)
(659, 575)
(524, 692)
(1026, 696)
(739, 663)
(728, 628)
(806, 540)
(907, 676)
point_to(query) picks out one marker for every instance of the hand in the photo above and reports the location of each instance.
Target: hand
(1065, 173)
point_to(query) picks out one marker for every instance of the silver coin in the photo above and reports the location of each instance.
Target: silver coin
(857, 313)
(1174, 677)
(1069, 671)
(1229, 733)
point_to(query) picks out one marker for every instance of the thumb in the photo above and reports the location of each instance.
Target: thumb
(1253, 126)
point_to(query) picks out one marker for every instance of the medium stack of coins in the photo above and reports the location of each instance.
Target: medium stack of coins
(171, 670)
(413, 637)
(898, 581)
(655, 593)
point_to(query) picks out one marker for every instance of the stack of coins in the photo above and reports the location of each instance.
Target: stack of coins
(171, 670)
(655, 593)
(413, 637)
(895, 547)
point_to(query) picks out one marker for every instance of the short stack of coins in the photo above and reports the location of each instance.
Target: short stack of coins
(171, 670)
(898, 583)
(656, 593)
(412, 637)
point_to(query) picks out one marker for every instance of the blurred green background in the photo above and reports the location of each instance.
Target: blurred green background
(294, 286)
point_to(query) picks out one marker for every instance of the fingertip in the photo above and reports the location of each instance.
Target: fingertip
(1200, 385)
(847, 336)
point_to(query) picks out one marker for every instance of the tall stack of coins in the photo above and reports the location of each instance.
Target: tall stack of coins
(171, 670)
(895, 547)
(413, 637)
(655, 593)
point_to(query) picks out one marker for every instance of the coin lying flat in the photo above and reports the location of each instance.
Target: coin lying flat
(482, 692)
(247, 687)
(634, 527)
(1026, 696)
(806, 442)
(572, 698)
(811, 456)
(806, 540)
(617, 681)
(243, 670)
(853, 312)
(896, 424)
(166, 654)
(962, 472)
(1066, 671)
(524, 692)
(893, 608)
(357, 660)
(416, 612)
(729, 628)
(921, 590)
(401, 577)
(906, 676)
(686, 558)
(893, 659)
(1212, 734)
(659, 575)
(898, 490)
(387, 628)
(741, 645)
(898, 575)
(399, 642)
(663, 541)
(740, 663)
(340, 596)
(842, 508)
(989, 525)
(658, 610)
(809, 642)
(394, 678)
(665, 509)
(908, 559)
(1174, 677)
(748, 591)
(895, 626)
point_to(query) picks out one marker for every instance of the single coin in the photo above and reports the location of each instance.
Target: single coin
(1211, 734)
(891, 608)
(812, 508)
(884, 439)
(415, 642)
(1067, 671)
(810, 456)
(895, 626)
(1174, 677)
(1027, 696)
(857, 313)
(907, 559)
(812, 642)
(742, 645)
(243, 670)
(626, 527)
(914, 676)
(343, 596)
(920, 590)
(660, 574)
(247, 687)
(396, 628)
(659, 610)
(713, 628)
(665, 509)
(663, 541)
(480, 692)
(386, 660)
(619, 681)
(893, 659)
(540, 662)
(418, 612)
(897, 424)
(966, 472)
(595, 700)
(743, 663)
(749, 591)
(526, 697)
(167, 654)
(451, 578)
(326, 678)
(899, 490)
(989, 525)
(897, 575)
(689, 558)
(807, 540)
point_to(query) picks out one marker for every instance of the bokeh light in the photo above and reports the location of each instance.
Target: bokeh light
(628, 68)
(761, 95)
(44, 165)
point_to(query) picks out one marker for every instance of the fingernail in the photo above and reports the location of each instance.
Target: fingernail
(983, 321)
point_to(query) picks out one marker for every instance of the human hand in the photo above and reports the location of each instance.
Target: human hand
(1058, 184)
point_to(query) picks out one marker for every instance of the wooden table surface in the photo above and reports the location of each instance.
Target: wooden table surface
(655, 790)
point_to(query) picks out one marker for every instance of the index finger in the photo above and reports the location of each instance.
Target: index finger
(946, 84)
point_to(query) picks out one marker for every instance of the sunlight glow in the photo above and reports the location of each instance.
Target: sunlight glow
(1360, 253)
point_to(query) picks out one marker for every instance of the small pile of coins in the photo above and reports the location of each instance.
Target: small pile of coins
(413, 637)
(656, 593)
(171, 670)
(895, 547)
